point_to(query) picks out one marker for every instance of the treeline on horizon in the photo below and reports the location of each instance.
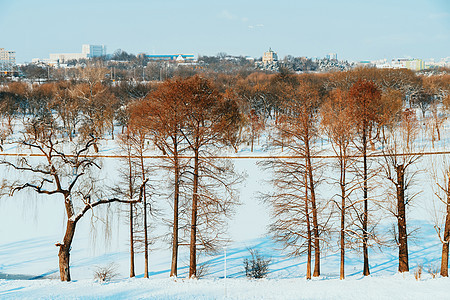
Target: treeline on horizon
(125, 66)
(189, 118)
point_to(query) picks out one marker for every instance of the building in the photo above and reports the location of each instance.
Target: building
(171, 57)
(415, 64)
(7, 60)
(65, 57)
(87, 51)
(93, 50)
(407, 63)
(397, 63)
(442, 63)
(365, 63)
(331, 56)
(269, 57)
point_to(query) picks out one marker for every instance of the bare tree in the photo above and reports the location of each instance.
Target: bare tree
(67, 107)
(442, 210)
(139, 137)
(256, 126)
(128, 189)
(441, 203)
(64, 170)
(423, 99)
(291, 207)
(399, 155)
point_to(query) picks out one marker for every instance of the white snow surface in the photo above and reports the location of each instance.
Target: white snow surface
(30, 226)
(392, 287)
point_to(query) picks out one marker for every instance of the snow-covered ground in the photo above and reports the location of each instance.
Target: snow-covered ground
(392, 287)
(31, 225)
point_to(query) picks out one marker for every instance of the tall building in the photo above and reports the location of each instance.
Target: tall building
(7, 60)
(269, 56)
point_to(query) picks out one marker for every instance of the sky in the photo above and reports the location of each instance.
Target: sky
(354, 29)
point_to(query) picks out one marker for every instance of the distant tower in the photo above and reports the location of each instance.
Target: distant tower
(269, 56)
(331, 56)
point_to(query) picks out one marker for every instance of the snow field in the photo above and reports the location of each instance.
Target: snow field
(30, 226)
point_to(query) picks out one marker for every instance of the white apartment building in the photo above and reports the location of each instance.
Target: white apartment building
(7, 60)
(400, 63)
(65, 57)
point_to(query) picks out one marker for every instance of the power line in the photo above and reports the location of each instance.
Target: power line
(261, 157)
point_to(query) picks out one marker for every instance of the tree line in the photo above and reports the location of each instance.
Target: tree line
(188, 120)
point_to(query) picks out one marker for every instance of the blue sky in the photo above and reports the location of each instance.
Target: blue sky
(353, 29)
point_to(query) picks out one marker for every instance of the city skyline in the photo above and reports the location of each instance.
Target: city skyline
(353, 30)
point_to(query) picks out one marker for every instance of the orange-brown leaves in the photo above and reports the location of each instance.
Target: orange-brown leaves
(185, 107)
(366, 103)
(337, 118)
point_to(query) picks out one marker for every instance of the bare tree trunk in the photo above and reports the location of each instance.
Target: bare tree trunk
(144, 200)
(174, 267)
(403, 265)
(131, 216)
(314, 211)
(64, 251)
(132, 274)
(342, 242)
(65, 246)
(438, 131)
(366, 270)
(193, 246)
(308, 230)
(445, 245)
(112, 130)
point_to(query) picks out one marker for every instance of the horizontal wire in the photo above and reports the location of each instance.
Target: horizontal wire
(235, 156)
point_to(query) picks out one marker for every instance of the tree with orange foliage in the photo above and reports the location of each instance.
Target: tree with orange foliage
(338, 125)
(365, 102)
(208, 116)
(297, 133)
(163, 115)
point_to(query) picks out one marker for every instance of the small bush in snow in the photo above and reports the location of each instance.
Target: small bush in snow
(105, 273)
(257, 266)
(433, 271)
(418, 272)
(203, 269)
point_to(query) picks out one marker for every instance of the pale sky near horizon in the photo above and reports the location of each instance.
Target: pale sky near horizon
(355, 30)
